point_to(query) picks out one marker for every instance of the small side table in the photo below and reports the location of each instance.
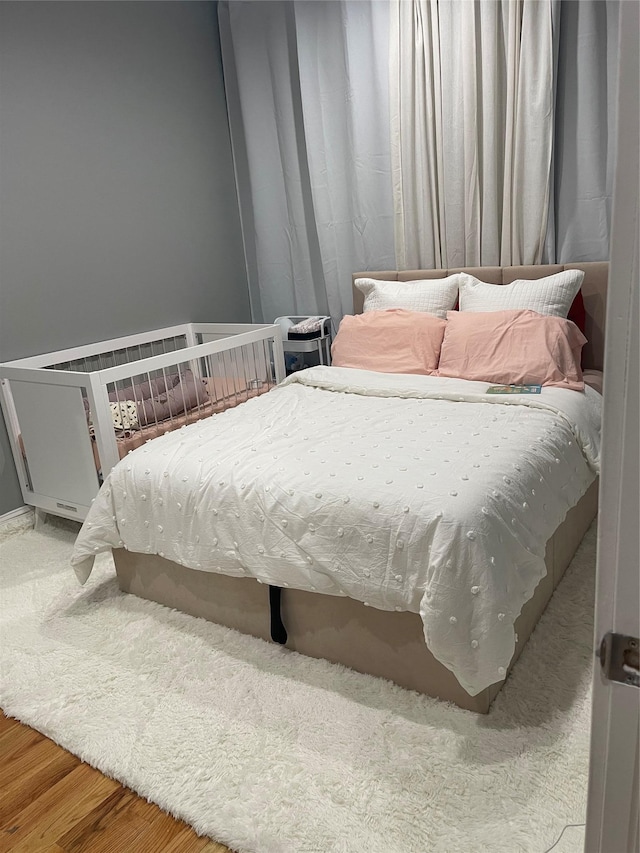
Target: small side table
(320, 344)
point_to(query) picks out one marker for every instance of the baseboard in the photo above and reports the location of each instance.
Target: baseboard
(16, 521)
(15, 513)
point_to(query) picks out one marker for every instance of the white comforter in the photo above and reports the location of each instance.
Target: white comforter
(405, 492)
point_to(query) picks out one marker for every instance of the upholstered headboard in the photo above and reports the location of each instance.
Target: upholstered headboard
(594, 293)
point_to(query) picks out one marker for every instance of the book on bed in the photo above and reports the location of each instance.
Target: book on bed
(514, 389)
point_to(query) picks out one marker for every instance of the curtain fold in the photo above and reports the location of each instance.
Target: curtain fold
(585, 130)
(267, 133)
(472, 122)
(307, 91)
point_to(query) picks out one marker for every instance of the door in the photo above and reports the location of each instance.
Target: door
(612, 810)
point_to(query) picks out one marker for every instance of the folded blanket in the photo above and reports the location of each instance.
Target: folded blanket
(146, 390)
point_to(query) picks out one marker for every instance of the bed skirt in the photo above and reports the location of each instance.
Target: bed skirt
(378, 642)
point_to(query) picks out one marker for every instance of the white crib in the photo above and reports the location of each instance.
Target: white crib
(58, 411)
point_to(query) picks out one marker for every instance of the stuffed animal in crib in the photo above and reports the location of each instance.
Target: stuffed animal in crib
(125, 415)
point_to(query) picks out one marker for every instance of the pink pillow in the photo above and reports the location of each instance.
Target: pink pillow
(393, 341)
(512, 348)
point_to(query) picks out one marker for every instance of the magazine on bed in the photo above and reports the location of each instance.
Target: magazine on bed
(514, 389)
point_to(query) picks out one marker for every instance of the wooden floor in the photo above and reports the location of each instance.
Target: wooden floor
(51, 801)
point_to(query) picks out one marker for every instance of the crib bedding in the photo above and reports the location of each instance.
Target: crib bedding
(177, 394)
(405, 492)
(222, 393)
(163, 397)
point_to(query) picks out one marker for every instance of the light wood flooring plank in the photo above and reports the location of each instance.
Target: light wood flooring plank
(26, 788)
(16, 739)
(111, 822)
(27, 757)
(8, 723)
(57, 810)
(162, 832)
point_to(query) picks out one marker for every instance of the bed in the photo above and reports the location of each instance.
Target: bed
(370, 563)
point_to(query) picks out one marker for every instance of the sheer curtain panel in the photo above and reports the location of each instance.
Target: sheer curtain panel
(307, 91)
(585, 130)
(472, 93)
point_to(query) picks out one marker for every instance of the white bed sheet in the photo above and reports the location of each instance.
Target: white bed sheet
(404, 492)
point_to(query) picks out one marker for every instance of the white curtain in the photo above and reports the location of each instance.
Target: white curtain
(384, 134)
(585, 130)
(307, 92)
(472, 92)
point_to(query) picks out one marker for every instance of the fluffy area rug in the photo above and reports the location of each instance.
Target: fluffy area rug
(271, 752)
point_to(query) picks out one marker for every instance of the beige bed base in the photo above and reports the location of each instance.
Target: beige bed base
(382, 643)
(379, 642)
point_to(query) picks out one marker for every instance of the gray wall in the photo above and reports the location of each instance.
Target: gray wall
(118, 208)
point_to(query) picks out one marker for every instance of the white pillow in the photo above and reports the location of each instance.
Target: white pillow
(432, 296)
(551, 295)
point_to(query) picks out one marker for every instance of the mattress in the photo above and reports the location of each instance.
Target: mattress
(404, 492)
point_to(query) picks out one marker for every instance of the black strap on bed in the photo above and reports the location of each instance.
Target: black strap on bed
(278, 631)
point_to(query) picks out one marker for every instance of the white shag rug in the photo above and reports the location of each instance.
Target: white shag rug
(18, 522)
(272, 752)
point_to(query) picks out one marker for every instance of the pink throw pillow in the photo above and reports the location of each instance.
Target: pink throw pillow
(392, 341)
(512, 348)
